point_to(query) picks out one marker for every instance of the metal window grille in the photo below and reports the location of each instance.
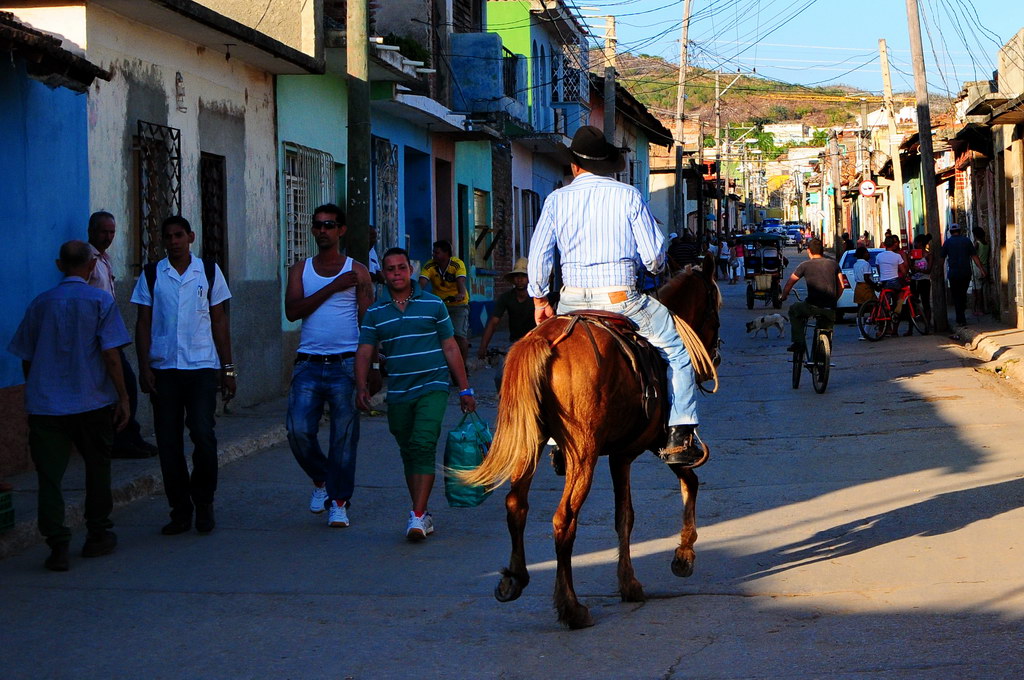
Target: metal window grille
(556, 80)
(159, 183)
(308, 182)
(509, 73)
(385, 193)
(575, 82)
(213, 205)
(531, 212)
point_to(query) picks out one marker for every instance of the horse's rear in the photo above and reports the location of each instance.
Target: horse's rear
(583, 393)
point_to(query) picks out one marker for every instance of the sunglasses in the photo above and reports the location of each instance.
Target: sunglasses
(325, 224)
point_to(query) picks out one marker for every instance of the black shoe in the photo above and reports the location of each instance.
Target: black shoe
(794, 347)
(908, 333)
(557, 461)
(141, 449)
(204, 518)
(684, 447)
(97, 545)
(176, 526)
(59, 560)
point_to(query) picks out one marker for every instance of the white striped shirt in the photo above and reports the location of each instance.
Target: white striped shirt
(603, 232)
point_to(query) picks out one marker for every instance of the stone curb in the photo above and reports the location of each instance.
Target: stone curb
(146, 482)
(1005, 361)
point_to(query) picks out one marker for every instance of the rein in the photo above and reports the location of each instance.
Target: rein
(703, 366)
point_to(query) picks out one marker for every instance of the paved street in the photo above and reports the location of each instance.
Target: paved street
(873, 531)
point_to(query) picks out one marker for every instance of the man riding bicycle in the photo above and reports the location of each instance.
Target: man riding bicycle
(824, 281)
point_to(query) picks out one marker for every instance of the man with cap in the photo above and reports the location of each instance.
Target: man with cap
(519, 306)
(602, 229)
(959, 252)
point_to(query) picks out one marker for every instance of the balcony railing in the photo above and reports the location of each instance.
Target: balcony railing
(509, 73)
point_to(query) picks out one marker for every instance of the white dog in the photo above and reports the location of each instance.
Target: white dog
(763, 323)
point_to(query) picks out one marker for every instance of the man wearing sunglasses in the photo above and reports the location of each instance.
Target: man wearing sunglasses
(329, 293)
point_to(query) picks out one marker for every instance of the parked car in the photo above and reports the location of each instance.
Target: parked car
(846, 264)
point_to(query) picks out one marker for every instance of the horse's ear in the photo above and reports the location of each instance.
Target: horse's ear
(708, 267)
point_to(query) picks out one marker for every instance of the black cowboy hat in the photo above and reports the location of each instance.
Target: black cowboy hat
(592, 152)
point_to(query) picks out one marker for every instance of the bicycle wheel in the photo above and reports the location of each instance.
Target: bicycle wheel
(822, 362)
(798, 367)
(871, 327)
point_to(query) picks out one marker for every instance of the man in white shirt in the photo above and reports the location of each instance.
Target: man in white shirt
(602, 230)
(892, 267)
(184, 347)
(329, 293)
(128, 443)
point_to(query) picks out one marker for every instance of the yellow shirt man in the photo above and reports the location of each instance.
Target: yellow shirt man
(444, 280)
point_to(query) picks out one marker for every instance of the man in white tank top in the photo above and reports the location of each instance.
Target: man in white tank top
(329, 293)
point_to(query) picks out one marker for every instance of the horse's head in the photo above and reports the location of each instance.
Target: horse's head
(693, 294)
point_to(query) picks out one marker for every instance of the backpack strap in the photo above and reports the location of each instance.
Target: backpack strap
(150, 272)
(209, 266)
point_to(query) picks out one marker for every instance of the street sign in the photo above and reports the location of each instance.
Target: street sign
(867, 188)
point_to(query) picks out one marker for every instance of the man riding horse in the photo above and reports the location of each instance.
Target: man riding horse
(602, 229)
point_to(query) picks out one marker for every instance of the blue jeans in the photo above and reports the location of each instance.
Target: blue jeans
(313, 385)
(655, 323)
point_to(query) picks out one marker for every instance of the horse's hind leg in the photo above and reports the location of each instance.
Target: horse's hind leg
(682, 562)
(579, 476)
(629, 588)
(515, 578)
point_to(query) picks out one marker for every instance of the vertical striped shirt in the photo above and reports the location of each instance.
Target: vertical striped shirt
(602, 230)
(411, 341)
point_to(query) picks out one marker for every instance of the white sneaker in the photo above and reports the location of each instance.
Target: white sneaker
(338, 516)
(318, 500)
(419, 527)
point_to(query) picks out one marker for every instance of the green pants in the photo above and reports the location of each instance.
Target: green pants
(416, 426)
(800, 312)
(50, 439)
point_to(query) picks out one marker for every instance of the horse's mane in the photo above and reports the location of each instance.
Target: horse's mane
(672, 285)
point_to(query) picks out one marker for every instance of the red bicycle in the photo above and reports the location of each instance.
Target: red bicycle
(878, 318)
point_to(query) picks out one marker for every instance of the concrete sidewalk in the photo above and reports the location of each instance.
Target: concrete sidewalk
(1001, 347)
(240, 432)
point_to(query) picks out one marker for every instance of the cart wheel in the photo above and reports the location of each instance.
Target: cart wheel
(776, 296)
(750, 296)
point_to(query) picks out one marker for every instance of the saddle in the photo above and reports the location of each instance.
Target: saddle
(647, 364)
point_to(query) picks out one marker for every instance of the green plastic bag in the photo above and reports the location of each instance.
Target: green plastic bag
(465, 449)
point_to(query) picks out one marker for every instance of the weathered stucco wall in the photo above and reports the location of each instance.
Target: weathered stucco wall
(226, 108)
(292, 22)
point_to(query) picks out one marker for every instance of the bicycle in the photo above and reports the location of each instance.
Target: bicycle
(820, 362)
(877, 318)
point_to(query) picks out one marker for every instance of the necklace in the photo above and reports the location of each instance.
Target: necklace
(402, 302)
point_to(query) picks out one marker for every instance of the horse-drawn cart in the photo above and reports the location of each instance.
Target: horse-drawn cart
(763, 267)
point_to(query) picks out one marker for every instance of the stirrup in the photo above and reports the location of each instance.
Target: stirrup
(690, 456)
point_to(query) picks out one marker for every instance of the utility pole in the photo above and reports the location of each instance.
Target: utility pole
(866, 204)
(609, 79)
(924, 127)
(836, 212)
(894, 140)
(680, 195)
(356, 50)
(718, 157)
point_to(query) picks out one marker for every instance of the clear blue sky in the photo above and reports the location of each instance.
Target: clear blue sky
(819, 41)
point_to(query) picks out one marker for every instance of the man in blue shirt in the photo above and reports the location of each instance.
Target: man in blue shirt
(602, 229)
(959, 252)
(69, 343)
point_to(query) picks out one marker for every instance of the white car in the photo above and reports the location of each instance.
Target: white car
(846, 264)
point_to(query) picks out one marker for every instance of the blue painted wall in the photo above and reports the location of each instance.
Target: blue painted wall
(44, 191)
(406, 135)
(313, 111)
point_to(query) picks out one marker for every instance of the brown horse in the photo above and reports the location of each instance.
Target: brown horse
(591, 408)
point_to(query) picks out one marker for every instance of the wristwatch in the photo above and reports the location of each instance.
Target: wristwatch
(468, 392)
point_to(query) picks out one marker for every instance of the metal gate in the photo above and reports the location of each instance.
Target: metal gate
(159, 183)
(385, 194)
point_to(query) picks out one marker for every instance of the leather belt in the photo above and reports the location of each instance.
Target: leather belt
(324, 358)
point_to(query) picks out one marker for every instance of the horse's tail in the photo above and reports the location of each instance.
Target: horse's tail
(517, 436)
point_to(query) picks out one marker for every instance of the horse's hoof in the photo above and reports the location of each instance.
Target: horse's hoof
(634, 592)
(579, 618)
(508, 589)
(682, 568)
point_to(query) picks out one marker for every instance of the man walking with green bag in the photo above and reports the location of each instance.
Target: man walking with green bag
(416, 336)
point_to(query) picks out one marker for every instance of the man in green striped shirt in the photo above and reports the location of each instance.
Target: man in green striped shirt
(414, 333)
